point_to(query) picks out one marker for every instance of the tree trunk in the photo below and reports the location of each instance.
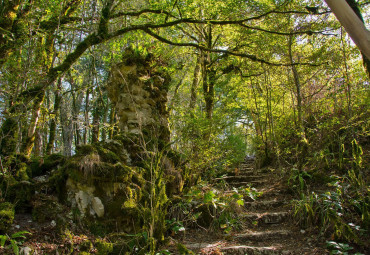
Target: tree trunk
(194, 85)
(96, 122)
(53, 122)
(86, 128)
(29, 140)
(112, 120)
(354, 5)
(67, 128)
(297, 84)
(352, 23)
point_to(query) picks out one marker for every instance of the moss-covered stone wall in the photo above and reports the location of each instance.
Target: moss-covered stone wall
(138, 87)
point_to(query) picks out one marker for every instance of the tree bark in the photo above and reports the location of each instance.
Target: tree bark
(30, 138)
(53, 122)
(194, 85)
(354, 5)
(352, 23)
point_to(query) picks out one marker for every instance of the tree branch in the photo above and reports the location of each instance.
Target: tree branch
(249, 56)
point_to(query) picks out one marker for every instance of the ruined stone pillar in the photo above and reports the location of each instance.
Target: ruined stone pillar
(138, 88)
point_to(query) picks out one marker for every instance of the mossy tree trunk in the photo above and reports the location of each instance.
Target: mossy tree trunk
(29, 140)
(194, 84)
(208, 75)
(53, 122)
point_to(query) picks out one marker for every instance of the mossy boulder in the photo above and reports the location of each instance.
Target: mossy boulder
(47, 209)
(42, 166)
(20, 193)
(103, 247)
(17, 165)
(6, 216)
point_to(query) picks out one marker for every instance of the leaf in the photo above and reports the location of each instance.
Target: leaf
(14, 246)
(208, 197)
(20, 234)
(3, 239)
(240, 202)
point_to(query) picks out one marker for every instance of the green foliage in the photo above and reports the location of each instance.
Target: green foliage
(297, 180)
(335, 211)
(340, 248)
(13, 241)
(209, 207)
(209, 147)
(103, 247)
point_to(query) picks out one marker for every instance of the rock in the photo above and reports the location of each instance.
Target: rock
(98, 206)
(41, 179)
(83, 200)
(25, 251)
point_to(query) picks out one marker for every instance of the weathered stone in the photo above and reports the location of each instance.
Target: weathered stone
(25, 251)
(83, 200)
(98, 206)
(139, 91)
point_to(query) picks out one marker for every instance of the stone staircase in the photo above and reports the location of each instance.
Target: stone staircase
(268, 225)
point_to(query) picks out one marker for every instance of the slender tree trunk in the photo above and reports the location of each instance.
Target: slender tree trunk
(302, 145)
(104, 120)
(67, 128)
(297, 84)
(87, 123)
(30, 137)
(194, 85)
(208, 76)
(112, 120)
(53, 122)
(37, 148)
(96, 122)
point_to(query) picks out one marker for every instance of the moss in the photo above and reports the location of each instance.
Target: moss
(103, 247)
(9, 130)
(58, 181)
(86, 246)
(21, 194)
(6, 216)
(99, 228)
(85, 149)
(107, 155)
(183, 250)
(41, 166)
(47, 209)
(18, 166)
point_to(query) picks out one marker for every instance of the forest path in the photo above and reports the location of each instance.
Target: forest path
(268, 227)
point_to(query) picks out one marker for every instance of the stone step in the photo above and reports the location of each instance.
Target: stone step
(243, 166)
(265, 204)
(241, 178)
(262, 236)
(250, 250)
(266, 217)
(254, 183)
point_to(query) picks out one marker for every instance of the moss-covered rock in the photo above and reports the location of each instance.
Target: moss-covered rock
(41, 166)
(17, 165)
(6, 216)
(48, 209)
(103, 247)
(21, 194)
